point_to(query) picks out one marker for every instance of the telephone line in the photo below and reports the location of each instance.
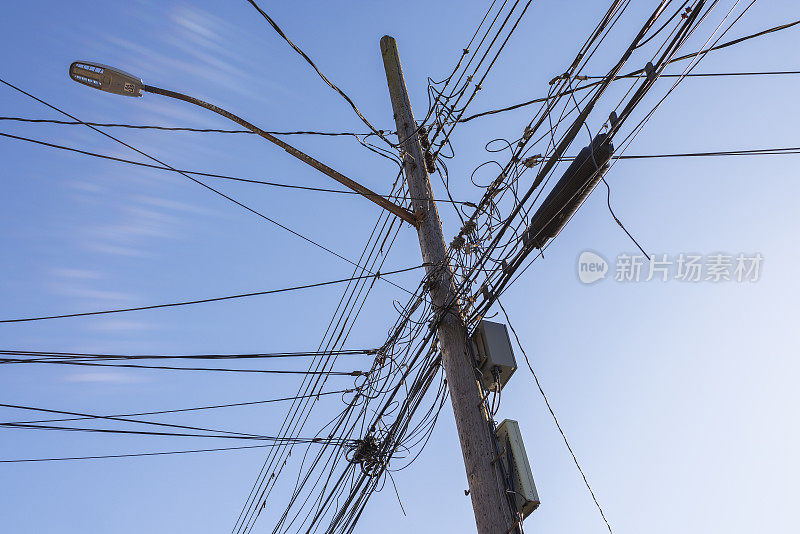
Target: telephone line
(136, 455)
(212, 299)
(180, 410)
(198, 173)
(171, 368)
(181, 128)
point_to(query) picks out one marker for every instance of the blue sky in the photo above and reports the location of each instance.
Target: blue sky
(678, 398)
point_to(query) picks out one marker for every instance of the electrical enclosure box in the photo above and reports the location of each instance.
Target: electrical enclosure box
(493, 350)
(515, 460)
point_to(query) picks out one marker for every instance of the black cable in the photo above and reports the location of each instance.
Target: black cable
(179, 128)
(213, 299)
(178, 410)
(120, 419)
(16, 426)
(135, 455)
(172, 368)
(308, 60)
(712, 74)
(198, 173)
(555, 418)
(49, 355)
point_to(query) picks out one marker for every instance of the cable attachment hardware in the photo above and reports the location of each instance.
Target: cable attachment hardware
(650, 71)
(430, 162)
(469, 227)
(380, 358)
(555, 80)
(613, 119)
(532, 161)
(526, 135)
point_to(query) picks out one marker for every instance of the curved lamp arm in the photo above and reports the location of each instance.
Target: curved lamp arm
(119, 82)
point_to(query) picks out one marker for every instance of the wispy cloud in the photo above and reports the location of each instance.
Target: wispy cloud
(102, 377)
(76, 274)
(120, 326)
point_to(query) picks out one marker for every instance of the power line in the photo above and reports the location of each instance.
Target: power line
(167, 168)
(212, 299)
(752, 152)
(120, 419)
(171, 368)
(50, 355)
(710, 74)
(227, 433)
(181, 128)
(555, 418)
(316, 69)
(195, 408)
(135, 455)
(198, 173)
(168, 434)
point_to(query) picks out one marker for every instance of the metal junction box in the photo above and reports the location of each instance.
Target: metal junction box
(515, 460)
(493, 350)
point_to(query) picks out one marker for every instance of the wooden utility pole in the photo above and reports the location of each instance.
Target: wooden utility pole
(486, 487)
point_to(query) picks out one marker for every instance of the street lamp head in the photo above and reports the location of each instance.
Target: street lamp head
(106, 78)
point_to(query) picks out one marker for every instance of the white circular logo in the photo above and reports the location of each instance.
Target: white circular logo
(591, 267)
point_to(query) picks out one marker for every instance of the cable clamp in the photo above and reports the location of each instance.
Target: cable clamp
(613, 119)
(650, 71)
(532, 161)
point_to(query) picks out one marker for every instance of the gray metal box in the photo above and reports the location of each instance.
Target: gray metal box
(516, 462)
(493, 350)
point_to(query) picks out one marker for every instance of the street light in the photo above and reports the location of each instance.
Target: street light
(119, 82)
(106, 78)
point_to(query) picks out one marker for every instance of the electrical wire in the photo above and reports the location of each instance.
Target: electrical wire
(198, 173)
(172, 368)
(182, 128)
(308, 60)
(555, 418)
(192, 409)
(136, 455)
(212, 299)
